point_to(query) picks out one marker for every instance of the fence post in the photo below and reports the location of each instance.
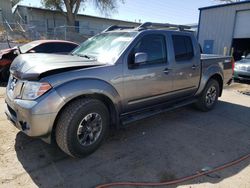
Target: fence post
(65, 34)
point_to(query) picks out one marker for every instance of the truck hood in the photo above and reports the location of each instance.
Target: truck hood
(243, 62)
(32, 66)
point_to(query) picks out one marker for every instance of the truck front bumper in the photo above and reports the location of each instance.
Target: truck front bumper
(34, 118)
(241, 75)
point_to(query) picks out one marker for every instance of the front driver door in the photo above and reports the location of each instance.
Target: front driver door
(150, 82)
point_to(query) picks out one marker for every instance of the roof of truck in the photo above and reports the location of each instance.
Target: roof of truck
(149, 26)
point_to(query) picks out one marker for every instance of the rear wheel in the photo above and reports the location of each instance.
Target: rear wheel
(82, 126)
(209, 96)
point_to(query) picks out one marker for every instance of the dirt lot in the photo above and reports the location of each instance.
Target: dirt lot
(165, 147)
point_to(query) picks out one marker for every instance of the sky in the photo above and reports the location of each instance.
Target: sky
(164, 11)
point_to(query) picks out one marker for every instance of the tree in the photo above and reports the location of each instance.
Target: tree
(72, 7)
(14, 2)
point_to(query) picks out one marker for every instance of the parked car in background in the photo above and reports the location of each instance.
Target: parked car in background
(242, 69)
(38, 46)
(119, 76)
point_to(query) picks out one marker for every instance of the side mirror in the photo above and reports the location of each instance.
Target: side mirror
(243, 57)
(140, 57)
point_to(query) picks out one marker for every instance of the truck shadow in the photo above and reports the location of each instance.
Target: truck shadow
(161, 148)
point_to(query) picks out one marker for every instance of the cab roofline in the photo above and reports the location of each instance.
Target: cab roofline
(148, 26)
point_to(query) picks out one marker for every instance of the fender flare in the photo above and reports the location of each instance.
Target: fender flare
(207, 75)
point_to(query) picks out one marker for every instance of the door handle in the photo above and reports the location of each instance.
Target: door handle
(194, 67)
(166, 71)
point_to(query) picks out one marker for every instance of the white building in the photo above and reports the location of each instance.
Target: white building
(53, 21)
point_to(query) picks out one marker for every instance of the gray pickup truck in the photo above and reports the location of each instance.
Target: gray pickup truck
(118, 76)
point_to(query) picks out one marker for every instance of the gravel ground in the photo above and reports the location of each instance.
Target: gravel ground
(164, 147)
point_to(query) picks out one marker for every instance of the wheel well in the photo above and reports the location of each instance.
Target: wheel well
(220, 81)
(106, 100)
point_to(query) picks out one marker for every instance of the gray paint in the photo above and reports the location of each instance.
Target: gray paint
(128, 89)
(218, 23)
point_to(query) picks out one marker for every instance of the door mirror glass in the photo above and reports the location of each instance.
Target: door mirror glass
(141, 57)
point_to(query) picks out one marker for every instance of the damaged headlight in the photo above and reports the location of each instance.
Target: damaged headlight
(33, 90)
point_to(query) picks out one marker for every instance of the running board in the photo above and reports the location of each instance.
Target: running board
(139, 115)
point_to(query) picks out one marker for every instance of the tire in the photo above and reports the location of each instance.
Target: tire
(73, 134)
(5, 74)
(207, 101)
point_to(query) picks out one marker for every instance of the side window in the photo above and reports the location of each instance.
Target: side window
(44, 48)
(58, 48)
(155, 47)
(65, 47)
(183, 47)
(55, 48)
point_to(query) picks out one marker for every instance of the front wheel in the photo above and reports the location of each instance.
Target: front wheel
(209, 97)
(82, 126)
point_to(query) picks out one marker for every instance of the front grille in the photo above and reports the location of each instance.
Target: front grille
(243, 68)
(244, 76)
(14, 87)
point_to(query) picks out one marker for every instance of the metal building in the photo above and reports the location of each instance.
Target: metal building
(225, 29)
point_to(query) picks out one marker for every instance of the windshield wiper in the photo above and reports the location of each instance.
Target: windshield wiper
(85, 56)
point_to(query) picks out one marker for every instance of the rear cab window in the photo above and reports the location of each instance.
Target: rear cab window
(183, 47)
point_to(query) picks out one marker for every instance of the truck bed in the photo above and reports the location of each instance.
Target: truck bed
(225, 62)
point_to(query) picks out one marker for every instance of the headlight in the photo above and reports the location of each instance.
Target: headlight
(33, 90)
(236, 67)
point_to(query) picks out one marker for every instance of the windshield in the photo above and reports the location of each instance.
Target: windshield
(248, 56)
(27, 47)
(105, 47)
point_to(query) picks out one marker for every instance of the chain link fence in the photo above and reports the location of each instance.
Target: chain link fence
(23, 33)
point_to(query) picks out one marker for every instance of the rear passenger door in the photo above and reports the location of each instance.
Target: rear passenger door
(150, 82)
(186, 62)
